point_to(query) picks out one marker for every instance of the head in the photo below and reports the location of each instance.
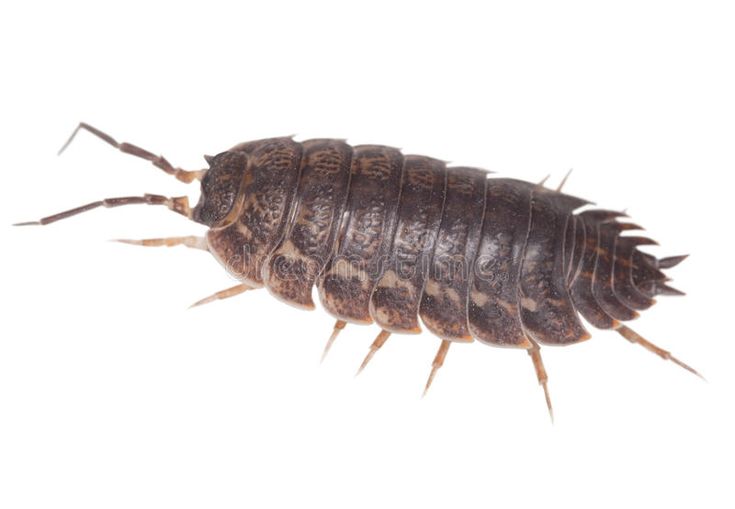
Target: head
(220, 187)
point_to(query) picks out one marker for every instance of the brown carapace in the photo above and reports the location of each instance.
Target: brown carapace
(387, 237)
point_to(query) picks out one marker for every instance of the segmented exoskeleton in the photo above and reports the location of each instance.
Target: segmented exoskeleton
(388, 238)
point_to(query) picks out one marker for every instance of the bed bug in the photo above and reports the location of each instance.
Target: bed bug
(387, 238)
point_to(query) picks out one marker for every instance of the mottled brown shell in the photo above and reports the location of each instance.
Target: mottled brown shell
(389, 238)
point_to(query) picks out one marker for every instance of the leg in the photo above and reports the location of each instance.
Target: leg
(178, 204)
(441, 354)
(563, 181)
(338, 326)
(223, 294)
(127, 148)
(634, 337)
(538, 365)
(188, 241)
(377, 344)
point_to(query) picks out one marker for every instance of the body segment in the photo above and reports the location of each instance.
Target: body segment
(396, 297)
(348, 280)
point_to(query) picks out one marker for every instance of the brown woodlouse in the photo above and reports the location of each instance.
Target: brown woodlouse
(388, 237)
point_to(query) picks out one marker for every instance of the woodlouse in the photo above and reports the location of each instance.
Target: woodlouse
(388, 237)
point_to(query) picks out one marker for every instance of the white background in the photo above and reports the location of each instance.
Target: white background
(112, 394)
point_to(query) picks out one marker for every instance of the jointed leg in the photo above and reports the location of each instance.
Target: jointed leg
(634, 337)
(223, 294)
(377, 344)
(538, 364)
(563, 181)
(338, 326)
(191, 241)
(441, 354)
(127, 148)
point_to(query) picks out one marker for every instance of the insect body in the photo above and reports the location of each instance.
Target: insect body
(388, 238)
